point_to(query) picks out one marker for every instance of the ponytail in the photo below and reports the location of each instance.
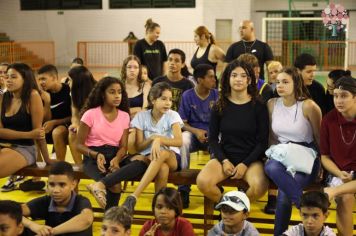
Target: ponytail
(150, 25)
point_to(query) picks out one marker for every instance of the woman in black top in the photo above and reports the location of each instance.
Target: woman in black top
(21, 116)
(151, 51)
(207, 52)
(238, 135)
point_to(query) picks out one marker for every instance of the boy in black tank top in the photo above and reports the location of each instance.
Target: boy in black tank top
(57, 127)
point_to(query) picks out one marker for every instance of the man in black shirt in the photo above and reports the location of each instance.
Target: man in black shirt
(57, 127)
(176, 60)
(249, 44)
(306, 65)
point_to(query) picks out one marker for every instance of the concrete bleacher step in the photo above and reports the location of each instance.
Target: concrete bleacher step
(19, 53)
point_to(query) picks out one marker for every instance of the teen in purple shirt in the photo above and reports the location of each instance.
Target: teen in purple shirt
(195, 109)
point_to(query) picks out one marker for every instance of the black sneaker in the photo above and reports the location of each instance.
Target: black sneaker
(270, 207)
(30, 185)
(185, 199)
(9, 185)
(130, 203)
(12, 182)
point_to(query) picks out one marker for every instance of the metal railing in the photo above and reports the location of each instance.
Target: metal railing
(32, 53)
(329, 54)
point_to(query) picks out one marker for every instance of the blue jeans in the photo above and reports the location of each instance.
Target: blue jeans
(290, 190)
(190, 144)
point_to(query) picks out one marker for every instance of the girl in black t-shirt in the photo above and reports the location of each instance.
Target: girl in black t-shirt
(238, 135)
(151, 51)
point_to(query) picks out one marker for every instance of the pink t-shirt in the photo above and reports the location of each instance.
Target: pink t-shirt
(102, 132)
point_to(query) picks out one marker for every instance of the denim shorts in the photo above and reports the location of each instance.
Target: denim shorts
(28, 152)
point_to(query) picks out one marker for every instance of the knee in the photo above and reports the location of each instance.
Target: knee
(59, 132)
(164, 155)
(203, 184)
(257, 188)
(271, 167)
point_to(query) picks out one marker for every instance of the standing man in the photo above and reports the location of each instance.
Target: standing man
(249, 44)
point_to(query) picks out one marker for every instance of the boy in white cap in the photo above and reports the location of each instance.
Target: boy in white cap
(234, 207)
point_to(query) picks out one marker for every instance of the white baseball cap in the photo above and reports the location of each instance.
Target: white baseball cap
(235, 199)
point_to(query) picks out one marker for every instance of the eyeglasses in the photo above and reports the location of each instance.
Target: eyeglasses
(234, 200)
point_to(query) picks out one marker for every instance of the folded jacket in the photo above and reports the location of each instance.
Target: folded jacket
(293, 156)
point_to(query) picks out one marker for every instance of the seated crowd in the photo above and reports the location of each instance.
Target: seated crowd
(285, 130)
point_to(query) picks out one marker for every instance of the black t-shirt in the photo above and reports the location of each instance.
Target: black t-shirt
(261, 50)
(60, 103)
(267, 93)
(178, 87)
(317, 93)
(153, 56)
(329, 102)
(240, 133)
(39, 208)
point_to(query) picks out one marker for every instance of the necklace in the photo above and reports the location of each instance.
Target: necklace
(343, 138)
(248, 47)
(154, 120)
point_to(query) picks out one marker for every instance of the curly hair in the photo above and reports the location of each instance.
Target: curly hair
(225, 88)
(123, 74)
(29, 84)
(97, 96)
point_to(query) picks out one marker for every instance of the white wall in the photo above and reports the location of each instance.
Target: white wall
(106, 24)
(236, 10)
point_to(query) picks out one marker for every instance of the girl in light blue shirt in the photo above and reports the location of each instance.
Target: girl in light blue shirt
(158, 138)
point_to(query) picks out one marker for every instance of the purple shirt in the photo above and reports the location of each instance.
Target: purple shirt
(195, 111)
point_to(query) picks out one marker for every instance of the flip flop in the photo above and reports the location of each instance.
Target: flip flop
(98, 194)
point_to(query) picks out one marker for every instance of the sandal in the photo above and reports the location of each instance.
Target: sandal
(99, 194)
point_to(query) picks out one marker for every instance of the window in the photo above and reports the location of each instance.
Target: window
(60, 4)
(152, 4)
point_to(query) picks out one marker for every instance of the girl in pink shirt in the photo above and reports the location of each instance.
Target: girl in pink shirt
(167, 208)
(102, 137)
